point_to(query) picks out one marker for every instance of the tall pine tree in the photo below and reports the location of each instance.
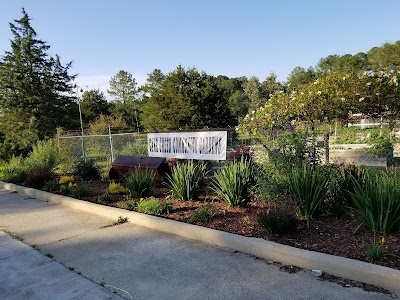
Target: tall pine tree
(36, 91)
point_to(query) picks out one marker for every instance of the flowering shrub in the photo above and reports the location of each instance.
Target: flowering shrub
(247, 152)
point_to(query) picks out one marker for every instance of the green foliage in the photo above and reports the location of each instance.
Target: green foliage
(44, 155)
(129, 204)
(278, 219)
(376, 250)
(65, 190)
(341, 186)
(51, 186)
(80, 191)
(66, 179)
(93, 103)
(236, 182)
(378, 201)
(36, 91)
(153, 206)
(308, 187)
(116, 188)
(185, 180)
(186, 99)
(104, 198)
(203, 214)
(140, 182)
(14, 171)
(37, 177)
(138, 147)
(86, 169)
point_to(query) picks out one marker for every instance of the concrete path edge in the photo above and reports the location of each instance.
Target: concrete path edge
(384, 277)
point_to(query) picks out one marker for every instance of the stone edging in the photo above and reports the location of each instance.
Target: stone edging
(384, 277)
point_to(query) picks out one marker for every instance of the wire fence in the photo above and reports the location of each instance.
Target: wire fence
(368, 143)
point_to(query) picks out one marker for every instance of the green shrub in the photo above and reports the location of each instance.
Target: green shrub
(129, 205)
(51, 185)
(140, 182)
(203, 214)
(308, 186)
(153, 206)
(278, 219)
(236, 182)
(86, 169)
(37, 177)
(378, 201)
(80, 191)
(104, 198)
(116, 188)
(138, 147)
(376, 250)
(14, 171)
(65, 190)
(44, 155)
(185, 180)
(66, 179)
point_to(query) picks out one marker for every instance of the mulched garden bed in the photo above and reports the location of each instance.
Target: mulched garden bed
(327, 233)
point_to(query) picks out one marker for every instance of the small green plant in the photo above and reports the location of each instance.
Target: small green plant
(236, 182)
(185, 180)
(87, 169)
(80, 191)
(37, 177)
(65, 190)
(140, 182)
(14, 171)
(104, 198)
(378, 201)
(246, 220)
(121, 220)
(44, 155)
(203, 214)
(116, 188)
(278, 219)
(51, 185)
(376, 250)
(66, 179)
(308, 187)
(153, 206)
(129, 204)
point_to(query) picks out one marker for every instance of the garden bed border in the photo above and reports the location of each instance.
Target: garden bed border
(384, 277)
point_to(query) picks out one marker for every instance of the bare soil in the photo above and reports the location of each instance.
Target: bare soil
(327, 233)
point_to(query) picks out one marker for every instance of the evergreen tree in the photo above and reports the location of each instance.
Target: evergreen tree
(35, 91)
(93, 104)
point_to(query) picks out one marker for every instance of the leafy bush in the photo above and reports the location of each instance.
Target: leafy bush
(153, 206)
(378, 201)
(37, 177)
(129, 205)
(15, 170)
(66, 179)
(44, 155)
(278, 219)
(235, 183)
(203, 214)
(116, 188)
(51, 185)
(185, 180)
(139, 183)
(308, 187)
(104, 198)
(80, 191)
(65, 190)
(138, 147)
(86, 169)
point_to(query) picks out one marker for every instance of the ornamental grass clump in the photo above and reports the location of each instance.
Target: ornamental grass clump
(140, 182)
(308, 186)
(236, 182)
(186, 180)
(378, 201)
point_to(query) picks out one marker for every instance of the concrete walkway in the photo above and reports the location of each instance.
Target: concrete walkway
(145, 263)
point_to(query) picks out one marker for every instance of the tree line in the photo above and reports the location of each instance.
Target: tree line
(38, 94)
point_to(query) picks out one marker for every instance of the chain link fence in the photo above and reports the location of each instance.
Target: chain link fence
(364, 142)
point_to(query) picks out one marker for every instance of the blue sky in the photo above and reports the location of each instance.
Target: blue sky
(220, 37)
